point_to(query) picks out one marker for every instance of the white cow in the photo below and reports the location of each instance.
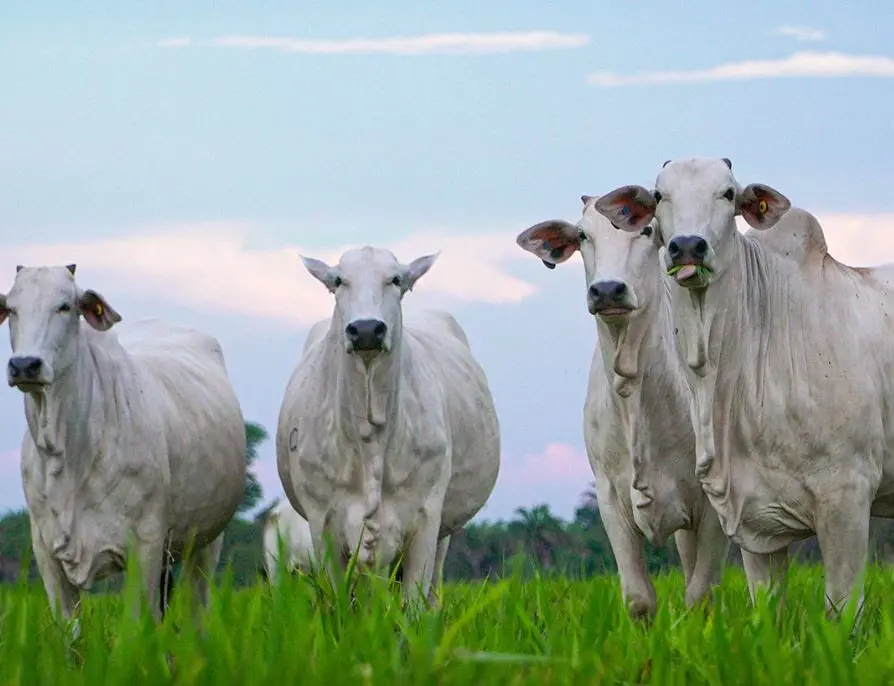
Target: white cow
(388, 439)
(791, 360)
(636, 417)
(137, 438)
(285, 527)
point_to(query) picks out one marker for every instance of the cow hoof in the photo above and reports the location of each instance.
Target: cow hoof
(641, 609)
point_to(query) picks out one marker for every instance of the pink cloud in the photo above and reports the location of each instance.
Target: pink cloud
(557, 475)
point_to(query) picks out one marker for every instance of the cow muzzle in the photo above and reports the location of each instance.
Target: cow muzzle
(689, 261)
(368, 336)
(27, 372)
(610, 299)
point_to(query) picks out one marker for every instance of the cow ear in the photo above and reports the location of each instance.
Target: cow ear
(761, 206)
(97, 312)
(553, 241)
(417, 269)
(629, 208)
(4, 312)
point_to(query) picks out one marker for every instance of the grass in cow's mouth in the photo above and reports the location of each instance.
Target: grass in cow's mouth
(701, 271)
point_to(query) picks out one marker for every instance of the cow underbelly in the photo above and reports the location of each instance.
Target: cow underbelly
(763, 513)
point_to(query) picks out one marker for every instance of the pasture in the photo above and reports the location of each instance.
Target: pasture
(499, 632)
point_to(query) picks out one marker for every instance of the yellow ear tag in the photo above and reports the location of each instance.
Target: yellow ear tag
(98, 310)
(763, 207)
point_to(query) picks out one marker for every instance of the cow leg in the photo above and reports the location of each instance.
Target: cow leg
(687, 547)
(438, 580)
(62, 595)
(765, 570)
(167, 584)
(710, 546)
(152, 558)
(628, 545)
(200, 567)
(842, 530)
(419, 562)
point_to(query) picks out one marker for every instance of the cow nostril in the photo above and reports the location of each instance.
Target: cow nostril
(33, 367)
(594, 291)
(673, 249)
(380, 330)
(620, 288)
(351, 331)
(701, 247)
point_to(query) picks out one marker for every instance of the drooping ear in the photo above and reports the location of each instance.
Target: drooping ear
(728, 162)
(97, 312)
(553, 241)
(4, 313)
(417, 268)
(629, 207)
(585, 199)
(321, 271)
(761, 206)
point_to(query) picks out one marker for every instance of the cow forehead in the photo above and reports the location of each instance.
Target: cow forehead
(699, 174)
(368, 261)
(43, 282)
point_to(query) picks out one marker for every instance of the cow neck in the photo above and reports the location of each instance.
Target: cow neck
(623, 346)
(61, 419)
(721, 320)
(366, 394)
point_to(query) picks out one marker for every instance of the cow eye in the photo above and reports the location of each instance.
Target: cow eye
(730, 194)
(647, 231)
(395, 281)
(337, 282)
(64, 307)
(657, 197)
(581, 236)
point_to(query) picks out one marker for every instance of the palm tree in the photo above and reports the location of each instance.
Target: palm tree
(541, 532)
(255, 434)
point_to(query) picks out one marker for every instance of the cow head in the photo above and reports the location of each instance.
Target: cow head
(695, 202)
(619, 264)
(44, 309)
(369, 284)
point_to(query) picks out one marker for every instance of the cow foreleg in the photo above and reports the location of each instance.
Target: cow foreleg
(706, 550)
(151, 556)
(62, 595)
(765, 571)
(628, 546)
(842, 530)
(200, 567)
(420, 560)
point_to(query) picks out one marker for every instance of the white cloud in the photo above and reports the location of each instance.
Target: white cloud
(209, 267)
(799, 65)
(801, 33)
(432, 43)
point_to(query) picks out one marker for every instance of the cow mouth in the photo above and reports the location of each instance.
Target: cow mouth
(615, 311)
(29, 386)
(691, 275)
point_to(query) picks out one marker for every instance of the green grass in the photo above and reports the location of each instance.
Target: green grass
(501, 632)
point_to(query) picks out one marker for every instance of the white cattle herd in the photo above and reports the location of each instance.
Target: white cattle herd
(741, 389)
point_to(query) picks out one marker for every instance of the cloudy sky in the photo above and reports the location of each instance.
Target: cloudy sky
(183, 158)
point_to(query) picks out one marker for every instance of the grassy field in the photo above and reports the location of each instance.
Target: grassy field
(503, 632)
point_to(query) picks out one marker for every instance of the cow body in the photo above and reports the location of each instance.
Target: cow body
(137, 437)
(639, 441)
(387, 442)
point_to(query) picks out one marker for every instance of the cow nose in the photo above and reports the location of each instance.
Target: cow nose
(24, 368)
(687, 249)
(366, 334)
(607, 289)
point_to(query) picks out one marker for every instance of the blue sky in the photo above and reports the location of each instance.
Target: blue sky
(183, 156)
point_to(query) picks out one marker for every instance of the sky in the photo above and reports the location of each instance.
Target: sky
(184, 157)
